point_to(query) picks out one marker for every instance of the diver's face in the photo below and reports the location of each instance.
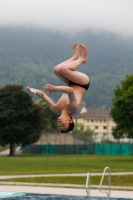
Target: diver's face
(63, 123)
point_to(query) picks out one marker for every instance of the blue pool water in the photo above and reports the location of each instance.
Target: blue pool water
(60, 197)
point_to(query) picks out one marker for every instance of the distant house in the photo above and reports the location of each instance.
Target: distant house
(98, 120)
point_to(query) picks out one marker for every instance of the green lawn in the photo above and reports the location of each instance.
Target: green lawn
(43, 164)
(120, 180)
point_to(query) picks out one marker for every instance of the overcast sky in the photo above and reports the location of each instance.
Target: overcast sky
(69, 15)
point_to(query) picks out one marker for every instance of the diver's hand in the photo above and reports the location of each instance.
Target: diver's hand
(32, 90)
(50, 88)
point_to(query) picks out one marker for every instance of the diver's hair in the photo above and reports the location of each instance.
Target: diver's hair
(70, 127)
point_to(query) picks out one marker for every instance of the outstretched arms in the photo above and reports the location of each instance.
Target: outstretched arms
(51, 88)
(41, 94)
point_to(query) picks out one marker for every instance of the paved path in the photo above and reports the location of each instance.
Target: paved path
(6, 152)
(72, 174)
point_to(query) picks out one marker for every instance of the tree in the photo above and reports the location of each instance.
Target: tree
(21, 121)
(50, 118)
(122, 109)
(82, 133)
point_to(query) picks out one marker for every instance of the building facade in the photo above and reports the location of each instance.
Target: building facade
(98, 120)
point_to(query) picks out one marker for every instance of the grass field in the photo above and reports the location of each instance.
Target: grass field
(119, 180)
(43, 164)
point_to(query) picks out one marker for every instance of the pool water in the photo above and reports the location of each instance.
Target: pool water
(60, 197)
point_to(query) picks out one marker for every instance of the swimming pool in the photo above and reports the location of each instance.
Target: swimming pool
(60, 197)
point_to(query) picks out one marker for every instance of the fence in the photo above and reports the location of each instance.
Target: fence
(98, 149)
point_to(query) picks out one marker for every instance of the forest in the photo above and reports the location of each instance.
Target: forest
(28, 56)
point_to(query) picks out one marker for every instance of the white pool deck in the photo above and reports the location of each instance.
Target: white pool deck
(64, 189)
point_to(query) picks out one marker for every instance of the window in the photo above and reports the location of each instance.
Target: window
(104, 120)
(105, 127)
(92, 120)
(96, 127)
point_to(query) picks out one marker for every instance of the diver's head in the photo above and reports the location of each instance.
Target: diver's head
(65, 124)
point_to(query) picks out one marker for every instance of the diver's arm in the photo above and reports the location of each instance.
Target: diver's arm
(65, 89)
(41, 94)
(51, 88)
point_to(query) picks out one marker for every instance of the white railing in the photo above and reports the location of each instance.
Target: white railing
(88, 184)
(108, 193)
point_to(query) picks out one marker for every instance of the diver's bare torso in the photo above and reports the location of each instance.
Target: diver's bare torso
(63, 102)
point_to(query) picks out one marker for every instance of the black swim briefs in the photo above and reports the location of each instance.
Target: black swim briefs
(83, 86)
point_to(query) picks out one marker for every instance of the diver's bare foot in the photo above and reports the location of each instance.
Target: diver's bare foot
(75, 51)
(83, 53)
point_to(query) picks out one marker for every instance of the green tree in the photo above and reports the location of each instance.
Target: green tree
(50, 118)
(122, 109)
(21, 121)
(82, 133)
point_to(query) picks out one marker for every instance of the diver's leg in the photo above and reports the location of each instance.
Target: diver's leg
(59, 66)
(68, 70)
(74, 57)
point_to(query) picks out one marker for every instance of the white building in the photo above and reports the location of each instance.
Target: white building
(98, 120)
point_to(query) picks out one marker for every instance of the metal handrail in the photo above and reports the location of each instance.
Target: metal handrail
(108, 193)
(88, 184)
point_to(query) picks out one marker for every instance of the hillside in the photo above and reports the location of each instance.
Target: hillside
(28, 56)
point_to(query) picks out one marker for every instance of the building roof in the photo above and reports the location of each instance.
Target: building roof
(92, 113)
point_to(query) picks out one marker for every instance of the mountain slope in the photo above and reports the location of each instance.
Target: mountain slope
(28, 56)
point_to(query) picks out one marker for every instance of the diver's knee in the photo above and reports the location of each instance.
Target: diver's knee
(63, 70)
(57, 69)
